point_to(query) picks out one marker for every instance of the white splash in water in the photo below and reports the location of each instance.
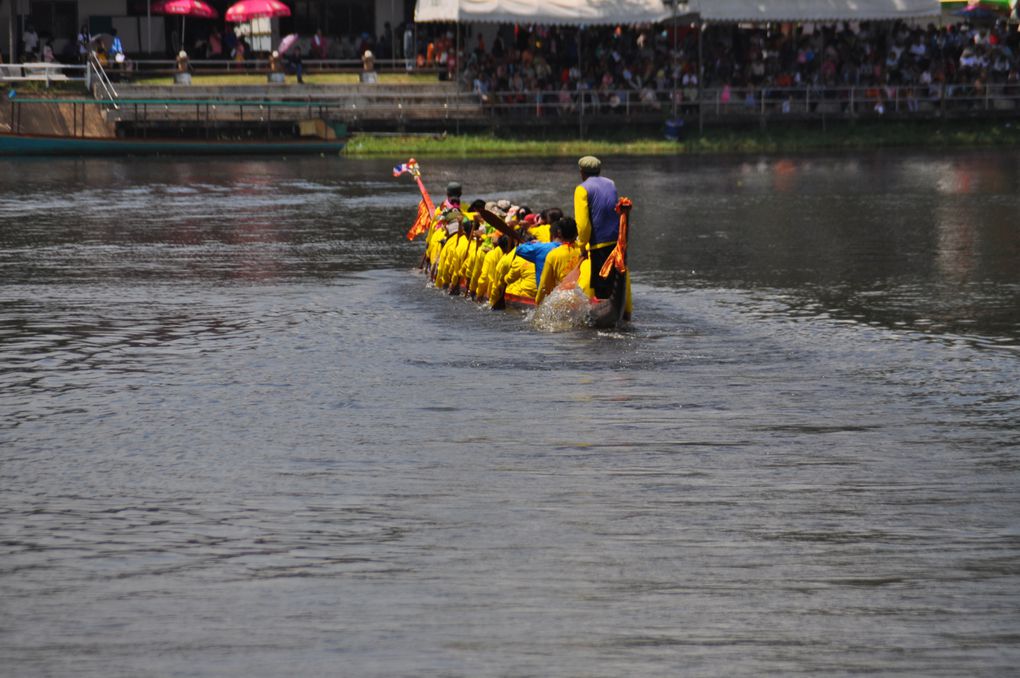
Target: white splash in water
(562, 310)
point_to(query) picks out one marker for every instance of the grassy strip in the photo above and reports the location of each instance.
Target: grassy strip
(37, 88)
(228, 79)
(789, 138)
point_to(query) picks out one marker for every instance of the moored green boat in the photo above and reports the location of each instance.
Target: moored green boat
(31, 144)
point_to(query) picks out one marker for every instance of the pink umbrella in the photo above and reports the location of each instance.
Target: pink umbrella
(195, 8)
(287, 42)
(246, 10)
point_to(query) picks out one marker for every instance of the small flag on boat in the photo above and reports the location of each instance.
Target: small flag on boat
(422, 222)
(405, 168)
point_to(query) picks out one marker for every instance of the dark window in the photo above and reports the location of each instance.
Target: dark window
(350, 17)
(55, 19)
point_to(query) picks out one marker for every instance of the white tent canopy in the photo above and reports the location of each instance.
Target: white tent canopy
(763, 11)
(544, 12)
(587, 12)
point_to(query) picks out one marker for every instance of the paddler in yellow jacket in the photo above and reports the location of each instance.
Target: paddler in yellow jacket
(486, 275)
(520, 279)
(479, 241)
(473, 267)
(454, 251)
(485, 239)
(497, 283)
(543, 224)
(439, 232)
(437, 236)
(562, 260)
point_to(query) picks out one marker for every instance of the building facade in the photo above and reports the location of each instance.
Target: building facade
(144, 33)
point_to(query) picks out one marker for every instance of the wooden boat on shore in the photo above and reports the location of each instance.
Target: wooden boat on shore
(120, 127)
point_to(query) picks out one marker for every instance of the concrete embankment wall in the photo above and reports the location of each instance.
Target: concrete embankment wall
(56, 119)
(352, 104)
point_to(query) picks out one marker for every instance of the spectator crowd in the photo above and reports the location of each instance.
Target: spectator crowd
(658, 66)
(649, 65)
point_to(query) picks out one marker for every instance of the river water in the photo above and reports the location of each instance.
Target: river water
(240, 437)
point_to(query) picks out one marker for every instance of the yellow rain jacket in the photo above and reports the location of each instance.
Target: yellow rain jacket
(436, 237)
(584, 281)
(520, 279)
(558, 264)
(484, 247)
(485, 277)
(468, 265)
(497, 283)
(541, 232)
(452, 259)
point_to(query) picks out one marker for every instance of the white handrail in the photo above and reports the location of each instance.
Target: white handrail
(104, 80)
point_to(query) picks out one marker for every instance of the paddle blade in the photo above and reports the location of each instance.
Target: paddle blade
(498, 224)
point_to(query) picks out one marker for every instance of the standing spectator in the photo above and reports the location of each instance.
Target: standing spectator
(409, 47)
(116, 48)
(83, 43)
(319, 46)
(368, 67)
(386, 42)
(294, 56)
(240, 52)
(30, 40)
(229, 44)
(215, 46)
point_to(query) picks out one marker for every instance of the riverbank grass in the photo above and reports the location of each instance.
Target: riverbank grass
(791, 138)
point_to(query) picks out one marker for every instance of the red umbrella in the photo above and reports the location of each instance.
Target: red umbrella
(246, 10)
(195, 8)
(185, 8)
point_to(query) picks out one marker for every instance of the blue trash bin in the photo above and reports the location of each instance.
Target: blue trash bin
(674, 129)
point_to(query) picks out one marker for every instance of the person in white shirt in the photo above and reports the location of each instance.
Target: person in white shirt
(30, 39)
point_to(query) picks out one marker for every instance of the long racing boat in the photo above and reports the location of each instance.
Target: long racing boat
(599, 313)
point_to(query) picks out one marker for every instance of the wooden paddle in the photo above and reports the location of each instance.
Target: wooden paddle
(498, 224)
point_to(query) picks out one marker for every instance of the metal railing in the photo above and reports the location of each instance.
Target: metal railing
(756, 102)
(564, 108)
(581, 107)
(95, 70)
(46, 72)
(187, 112)
(394, 108)
(143, 68)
